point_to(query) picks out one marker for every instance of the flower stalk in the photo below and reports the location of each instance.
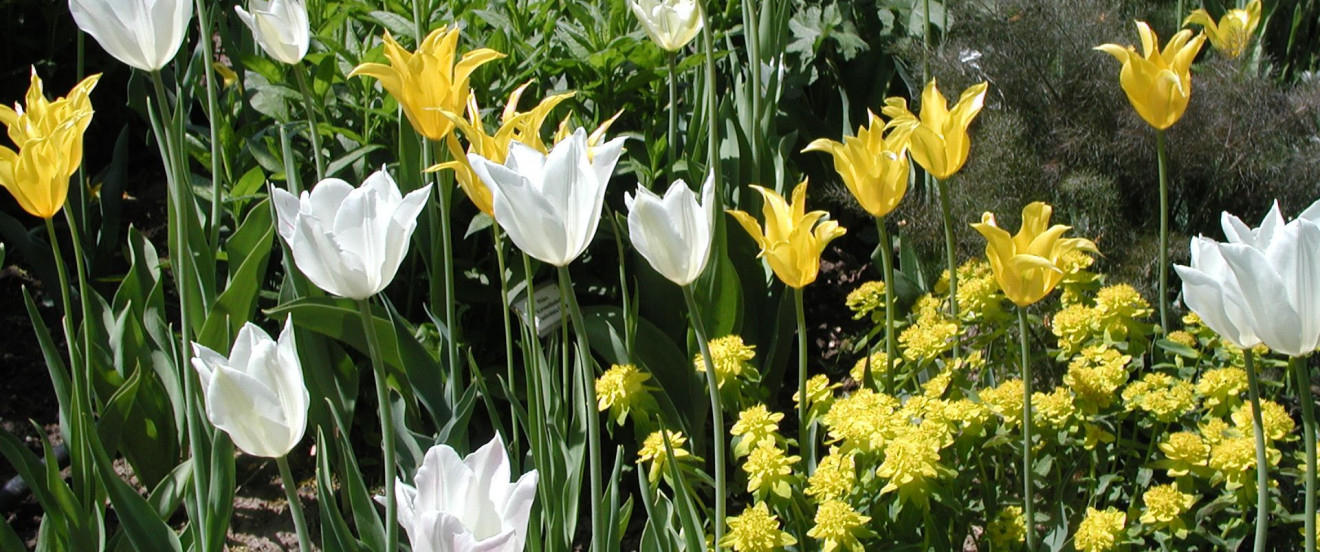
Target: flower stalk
(1028, 480)
(951, 257)
(671, 143)
(386, 423)
(887, 266)
(716, 413)
(1304, 395)
(295, 505)
(1164, 230)
(1262, 462)
(587, 380)
(804, 424)
(313, 134)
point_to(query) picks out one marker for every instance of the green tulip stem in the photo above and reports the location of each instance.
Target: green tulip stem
(445, 191)
(951, 255)
(81, 454)
(204, 21)
(712, 108)
(1164, 231)
(1262, 463)
(1304, 396)
(295, 505)
(887, 264)
(716, 412)
(588, 410)
(313, 133)
(386, 423)
(752, 29)
(1028, 485)
(671, 143)
(508, 330)
(805, 443)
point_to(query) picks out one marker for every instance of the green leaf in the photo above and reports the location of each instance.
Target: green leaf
(654, 351)
(363, 507)
(249, 252)
(8, 538)
(335, 535)
(61, 508)
(137, 517)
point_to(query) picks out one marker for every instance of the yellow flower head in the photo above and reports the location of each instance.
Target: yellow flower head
(940, 143)
(1073, 326)
(1234, 458)
(1005, 400)
(49, 137)
(1100, 530)
(1008, 530)
(863, 421)
(1095, 374)
(768, 469)
(1233, 32)
(754, 425)
(430, 81)
(1274, 418)
(793, 239)
(873, 166)
(867, 299)
(523, 127)
(927, 339)
(1118, 307)
(1158, 83)
(622, 389)
(820, 393)
(653, 451)
(837, 525)
(756, 530)
(910, 461)
(730, 357)
(835, 477)
(1054, 410)
(1221, 387)
(1027, 264)
(1163, 396)
(1184, 450)
(1165, 505)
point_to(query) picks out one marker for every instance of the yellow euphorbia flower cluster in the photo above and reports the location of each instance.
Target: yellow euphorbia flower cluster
(756, 530)
(1100, 530)
(730, 357)
(754, 425)
(622, 390)
(653, 451)
(1165, 506)
(49, 137)
(1095, 374)
(1163, 396)
(1221, 388)
(793, 239)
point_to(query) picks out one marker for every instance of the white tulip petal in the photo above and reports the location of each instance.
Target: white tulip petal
(1276, 324)
(248, 411)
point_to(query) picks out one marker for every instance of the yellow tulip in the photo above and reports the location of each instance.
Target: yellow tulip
(49, 136)
(524, 127)
(939, 142)
(792, 240)
(428, 82)
(1231, 35)
(1158, 83)
(1028, 265)
(873, 166)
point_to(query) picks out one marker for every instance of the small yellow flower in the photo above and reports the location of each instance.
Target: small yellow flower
(1005, 400)
(837, 525)
(49, 138)
(1215, 430)
(1117, 307)
(927, 339)
(1008, 530)
(1274, 418)
(1054, 410)
(622, 389)
(1183, 338)
(754, 425)
(1026, 265)
(1095, 374)
(939, 142)
(430, 81)
(873, 166)
(1221, 387)
(863, 421)
(1165, 505)
(730, 357)
(867, 300)
(1161, 395)
(1158, 83)
(1185, 451)
(768, 469)
(653, 451)
(835, 477)
(756, 530)
(793, 239)
(879, 364)
(1233, 32)
(1100, 530)
(820, 393)
(1234, 458)
(909, 463)
(936, 386)
(1073, 325)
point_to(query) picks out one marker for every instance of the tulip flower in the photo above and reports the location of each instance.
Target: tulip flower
(670, 23)
(673, 233)
(1233, 32)
(1259, 286)
(792, 241)
(49, 136)
(940, 143)
(430, 81)
(144, 33)
(550, 204)
(1158, 83)
(1026, 265)
(256, 394)
(466, 504)
(524, 127)
(350, 241)
(280, 27)
(873, 166)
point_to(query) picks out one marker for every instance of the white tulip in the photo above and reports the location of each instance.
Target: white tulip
(466, 504)
(145, 34)
(350, 241)
(1262, 285)
(256, 395)
(673, 233)
(670, 23)
(280, 27)
(550, 204)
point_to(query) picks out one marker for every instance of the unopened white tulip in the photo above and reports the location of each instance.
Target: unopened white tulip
(1262, 285)
(550, 204)
(466, 504)
(280, 27)
(670, 23)
(673, 232)
(350, 241)
(256, 395)
(145, 34)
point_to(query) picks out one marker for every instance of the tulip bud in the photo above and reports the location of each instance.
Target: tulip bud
(280, 27)
(670, 23)
(673, 233)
